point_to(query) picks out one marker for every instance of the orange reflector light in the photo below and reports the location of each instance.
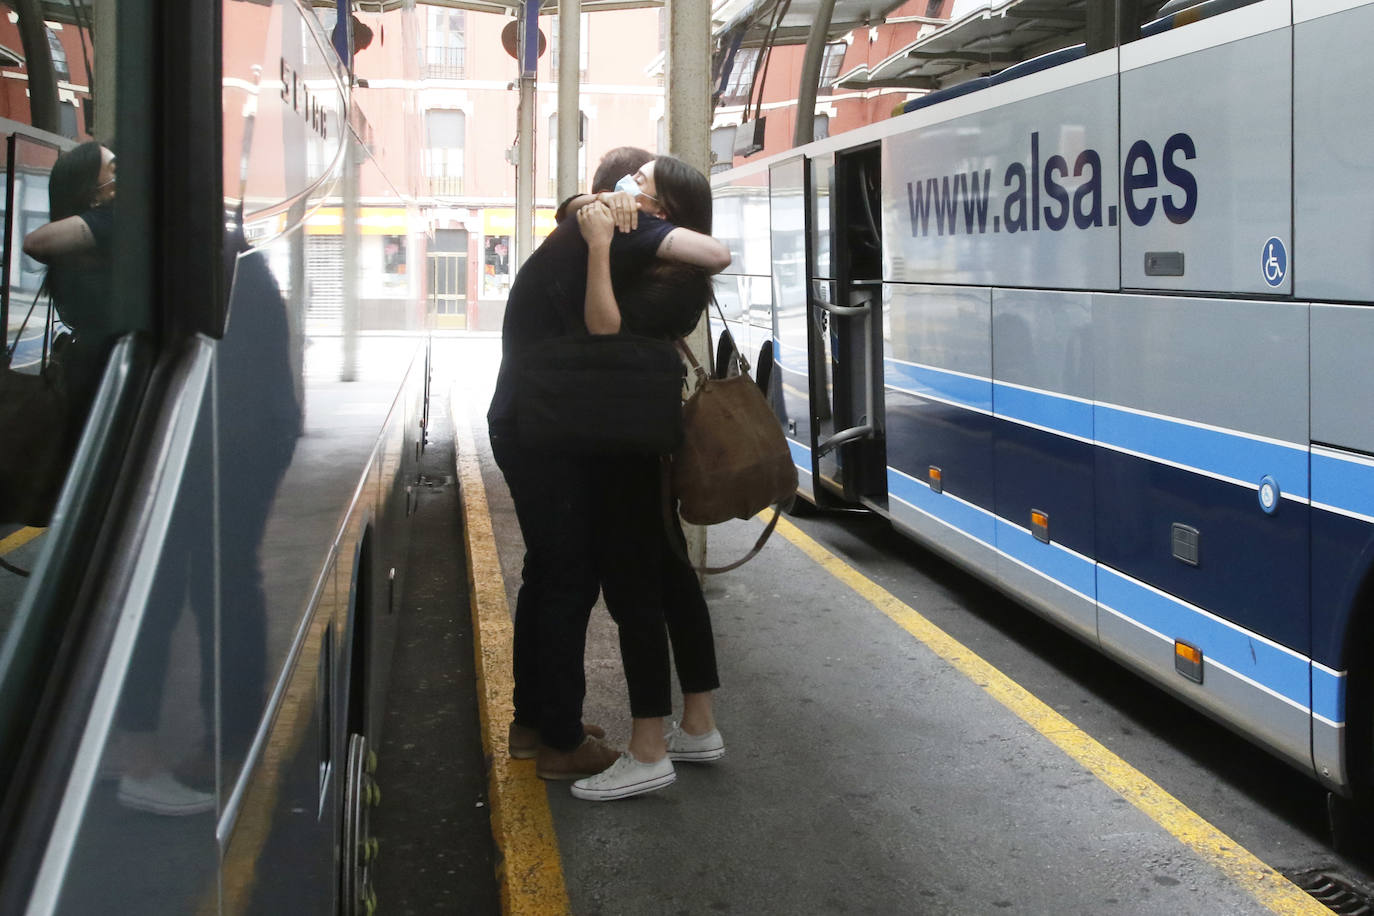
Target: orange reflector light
(937, 480)
(1188, 661)
(1039, 519)
(936, 473)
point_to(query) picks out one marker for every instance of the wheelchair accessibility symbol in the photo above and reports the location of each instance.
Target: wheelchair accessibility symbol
(1274, 262)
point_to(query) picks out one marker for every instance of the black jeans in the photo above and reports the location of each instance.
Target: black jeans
(553, 503)
(648, 584)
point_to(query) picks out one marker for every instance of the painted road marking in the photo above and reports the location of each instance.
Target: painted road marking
(1240, 865)
(19, 539)
(530, 871)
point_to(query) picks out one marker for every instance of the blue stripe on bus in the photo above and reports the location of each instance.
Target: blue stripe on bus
(1212, 451)
(1262, 662)
(977, 523)
(1043, 408)
(801, 455)
(975, 393)
(1069, 569)
(1282, 672)
(1343, 484)
(1328, 694)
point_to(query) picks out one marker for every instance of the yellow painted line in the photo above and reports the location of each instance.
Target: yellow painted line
(19, 539)
(530, 868)
(1266, 885)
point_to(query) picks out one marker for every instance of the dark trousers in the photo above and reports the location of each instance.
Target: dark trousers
(651, 591)
(553, 503)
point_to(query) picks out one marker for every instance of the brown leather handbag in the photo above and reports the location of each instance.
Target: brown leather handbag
(734, 461)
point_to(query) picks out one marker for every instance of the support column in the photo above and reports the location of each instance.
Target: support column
(805, 129)
(352, 238)
(524, 167)
(569, 95)
(103, 83)
(688, 86)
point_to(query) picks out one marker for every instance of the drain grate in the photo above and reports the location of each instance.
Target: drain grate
(1336, 893)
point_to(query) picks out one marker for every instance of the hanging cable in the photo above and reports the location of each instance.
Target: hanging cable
(761, 62)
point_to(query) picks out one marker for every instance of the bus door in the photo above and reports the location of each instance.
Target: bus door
(845, 309)
(793, 381)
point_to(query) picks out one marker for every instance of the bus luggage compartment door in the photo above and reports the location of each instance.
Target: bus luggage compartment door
(846, 392)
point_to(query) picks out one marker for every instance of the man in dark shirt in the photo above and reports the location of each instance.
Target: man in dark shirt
(552, 491)
(552, 496)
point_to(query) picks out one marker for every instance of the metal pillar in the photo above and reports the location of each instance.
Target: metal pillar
(689, 138)
(103, 83)
(569, 95)
(352, 238)
(524, 168)
(689, 81)
(805, 129)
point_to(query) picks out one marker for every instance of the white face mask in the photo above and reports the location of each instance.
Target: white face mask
(628, 184)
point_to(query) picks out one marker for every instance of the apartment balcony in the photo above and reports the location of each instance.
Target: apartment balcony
(445, 185)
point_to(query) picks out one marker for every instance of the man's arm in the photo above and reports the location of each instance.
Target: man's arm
(688, 247)
(622, 206)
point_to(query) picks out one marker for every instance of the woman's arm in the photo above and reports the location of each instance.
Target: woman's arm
(65, 237)
(688, 247)
(600, 311)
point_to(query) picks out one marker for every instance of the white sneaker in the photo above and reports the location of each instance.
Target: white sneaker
(695, 748)
(162, 794)
(624, 778)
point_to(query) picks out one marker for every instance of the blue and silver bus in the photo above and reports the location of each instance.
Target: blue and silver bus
(213, 418)
(1097, 327)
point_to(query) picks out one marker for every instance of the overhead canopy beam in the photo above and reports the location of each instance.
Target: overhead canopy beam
(970, 57)
(893, 82)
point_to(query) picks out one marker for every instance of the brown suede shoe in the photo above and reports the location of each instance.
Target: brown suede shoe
(523, 741)
(591, 757)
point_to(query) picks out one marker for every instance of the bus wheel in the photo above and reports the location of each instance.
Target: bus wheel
(361, 795)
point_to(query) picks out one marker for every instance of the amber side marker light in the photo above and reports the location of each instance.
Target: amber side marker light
(1188, 661)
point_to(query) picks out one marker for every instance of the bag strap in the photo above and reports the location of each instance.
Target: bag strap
(725, 329)
(10, 348)
(669, 526)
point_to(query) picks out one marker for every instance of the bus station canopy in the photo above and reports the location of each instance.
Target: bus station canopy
(984, 41)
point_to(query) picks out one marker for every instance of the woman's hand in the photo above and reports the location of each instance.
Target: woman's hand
(597, 225)
(624, 208)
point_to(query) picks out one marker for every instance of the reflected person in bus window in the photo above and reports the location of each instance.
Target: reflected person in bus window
(76, 246)
(650, 588)
(553, 495)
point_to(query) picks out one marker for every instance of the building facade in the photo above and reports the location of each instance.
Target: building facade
(469, 98)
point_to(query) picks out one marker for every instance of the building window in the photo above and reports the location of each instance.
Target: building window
(446, 129)
(59, 56)
(933, 8)
(741, 77)
(68, 115)
(582, 33)
(722, 148)
(446, 47)
(830, 66)
(394, 255)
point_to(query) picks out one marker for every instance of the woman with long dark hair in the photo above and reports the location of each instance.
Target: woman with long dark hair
(649, 587)
(75, 245)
